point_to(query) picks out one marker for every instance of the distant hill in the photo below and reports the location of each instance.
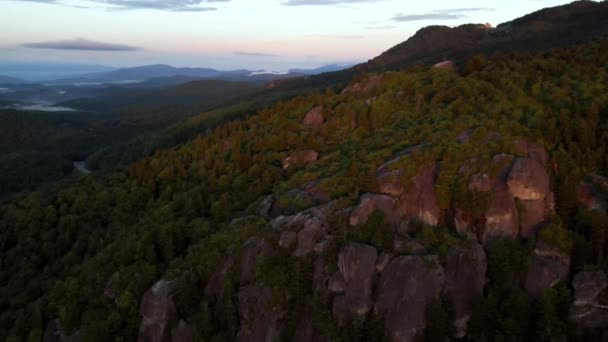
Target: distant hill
(554, 27)
(320, 70)
(561, 26)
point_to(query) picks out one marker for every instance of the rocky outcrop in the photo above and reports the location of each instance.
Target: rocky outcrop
(589, 310)
(261, 316)
(306, 331)
(357, 268)
(54, 333)
(502, 218)
(548, 267)
(157, 311)
(314, 118)
(253, 251)
(406, 287)
(182, 332)
(534, 214)
(300, 158)
(532, 150)
(528, 180)
(420, 201)
(370, 203)
(465, 278)
(310, 226)
(364, 86)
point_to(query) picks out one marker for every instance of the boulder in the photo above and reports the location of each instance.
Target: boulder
(465, 279)
(364, 86)
(261, 316)
(528, 180)
(288, 239)
(313, 188)
(314, 118)
(391, 183)
(383, 261)
(548, 267)
(388, 166)
(263, 206)
(464, 137)
(446, 65)
(370, 203)
(300, 158)
(464, 223)
(182, 332)
(253, 251)
(534, 214)
(157, 311)
(357, 266)
(420, 201)
(406, 287)
(588, 310)
(532, 150)
(502, 219)
(310, 226)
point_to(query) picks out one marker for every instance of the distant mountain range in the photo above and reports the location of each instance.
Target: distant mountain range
(160, 73)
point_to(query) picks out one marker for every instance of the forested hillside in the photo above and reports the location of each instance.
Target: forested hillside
(427, 203)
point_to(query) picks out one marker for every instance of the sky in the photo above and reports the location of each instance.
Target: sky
(230, 34)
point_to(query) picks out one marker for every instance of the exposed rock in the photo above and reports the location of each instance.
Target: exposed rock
(592, 195)
(263, 206)
(182, 332)
(291, 202)
(158, 312)
(336, 283)
(357, 265)
(464, 137)
(368, 204)
(549, 266)
(532, 150)
(287, 239)
(420, 201)
(54, 333)
(215, 285)
(528, 180)
(310, 225)
(588, 311)
(447, 65)
(465, 278)
(313, 188)
(260, 315)
(314, 118)
(406, 287)
(252, 251)
(534, 214)
(364, 87)
(464, 224)
(502, 219)
(324, 246)
(480, 182)
(320, 276)
(390, 183)
(300, 158)
(383, 261)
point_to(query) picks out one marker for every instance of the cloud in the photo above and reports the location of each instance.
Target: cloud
(324, 2)
(253, 54)
(443, 14)
(166, 5)
(80, 44)
(384, 27)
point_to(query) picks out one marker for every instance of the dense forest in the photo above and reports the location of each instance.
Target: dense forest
(237, 228)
